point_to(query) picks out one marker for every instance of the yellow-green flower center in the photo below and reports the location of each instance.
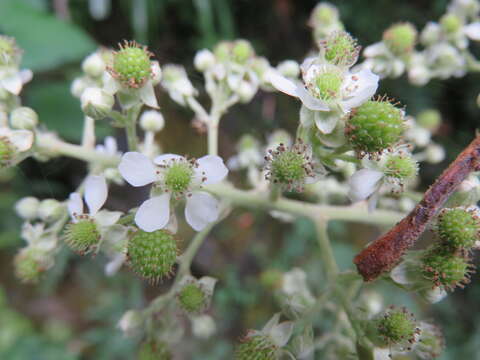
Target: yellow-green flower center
(327, 85)
(82, 235)
(401, 167)
(191, 298)
(178, 177)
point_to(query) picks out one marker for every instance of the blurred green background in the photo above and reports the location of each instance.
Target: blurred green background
(73, 313)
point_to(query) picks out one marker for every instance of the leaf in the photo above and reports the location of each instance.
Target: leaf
(47, 41)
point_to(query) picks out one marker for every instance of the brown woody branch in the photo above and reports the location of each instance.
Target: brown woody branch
(385, 252)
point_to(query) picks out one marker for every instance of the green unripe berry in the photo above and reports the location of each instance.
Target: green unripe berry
(401, 167)
(374, 126)
(191, 298)
(9, 53)
(257, 347)
(340, 49)
(131, 65)
(150, 350)
(7, 151)
(152, 254)
(178, 176)
(445, 269)
(397, 326)
(82, 235)
(326, 86)
(451, 23)
(400, 38)
(28, 268)
(458, 228)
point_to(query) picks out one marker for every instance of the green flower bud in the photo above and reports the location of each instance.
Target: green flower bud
(323, 14)
(27, 207)
(340, 49)
(152, 120)
(451, 23)
(401, 167)
(397, 326)
(10, 54)
(458, 228)
(94, 65)
(96, 103)
(256, 346)
(430, 119)
(50, 210)
(445, 269)
(24, 118)
(191, 298)
(83, 235)
(132, 65)
(151, 350)
(152, 254)
(289, 68)
(222, 51)
(291, 168)
(374, 126)
(28, 265)
(242, 51)
(400, 38)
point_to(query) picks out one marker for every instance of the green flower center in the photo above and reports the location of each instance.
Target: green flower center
(340, 49)
(178, 177)
(131, 65)
(458, 228)
(445, 269)
(400, 38)
(401, 167)
(327, 85)
(288, 167)
(191, 298)
(82, 235)
(397, 326)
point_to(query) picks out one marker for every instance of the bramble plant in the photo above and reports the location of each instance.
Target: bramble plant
(355, 157)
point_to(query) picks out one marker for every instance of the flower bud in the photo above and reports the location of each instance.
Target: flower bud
(50, 210)
(93, 65)
(131, 65)
(431, 33)
(27, 207)
(458, 228)
(434, 153)
(289, 68)
(191, 298)
(204, 60)
(339, 48)
(450, 23)
(242, 51)
(29, 265)
(79, 85)
(430, 119)
(156, 73)
(23, 118)
(152, 254)
(10, 54)
(374, 126)
(246, 91)
(400, 38)
(96, 103)
(83, 235)
(203, 326)
(152, 120)
(131, 322)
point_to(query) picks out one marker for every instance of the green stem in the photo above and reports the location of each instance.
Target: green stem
(131, 127)
(213, 138)
(326, 252)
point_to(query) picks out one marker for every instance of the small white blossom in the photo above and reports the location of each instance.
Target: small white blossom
(201, 207)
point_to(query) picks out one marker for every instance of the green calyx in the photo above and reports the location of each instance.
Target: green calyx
(400, 38)
(397, 326)
(131, 65)
(256, 347)
(340, 49)
(178, 176)
(9, 53)
(191, 298)
(27, 267)
(451, 23)
(445, 269)
(82, 235)
(326, 85)
(6, 151)
(289, 167)
(151, 350)
(152, 255)
(458, 228)
(401, 167)
(374, 126)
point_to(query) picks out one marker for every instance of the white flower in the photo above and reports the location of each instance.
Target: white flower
(96, 192)
(176, 177)
(176, 82)
(382, 61)
(326, 86)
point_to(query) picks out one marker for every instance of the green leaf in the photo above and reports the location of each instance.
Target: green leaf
(47, 41)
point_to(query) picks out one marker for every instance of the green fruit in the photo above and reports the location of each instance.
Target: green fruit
(131, 65)
(191, 298)
(458, 228)
(256, 347)
(82, 235)
(397, 326)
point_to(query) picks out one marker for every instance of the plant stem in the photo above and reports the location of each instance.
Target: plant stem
(326, 252)
(88, 139)
(213, 138)
(131, 127)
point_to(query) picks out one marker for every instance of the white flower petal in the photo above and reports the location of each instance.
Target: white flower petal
(22, 139)
(154, 213)
(12, 83)
(96, 192)
(110, 85)
(147, 94)
(201, 209)
(326, 120)
(211, 167)
(365, 84)
(166, 158)
(472, 31)
(309, 101)
(281, 333)
(75, 205)
(137, 169)
(26, 75)
(306, 116)
(281, 83)
(111, 145)
(363, 184)
(375, 50)
(107, 218)
(115, 264)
